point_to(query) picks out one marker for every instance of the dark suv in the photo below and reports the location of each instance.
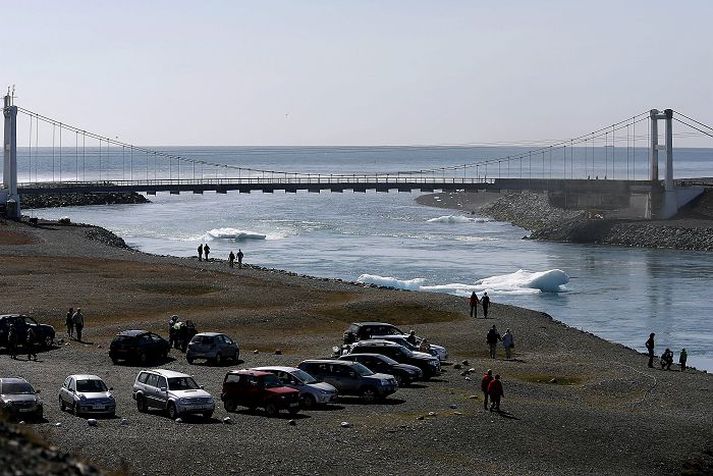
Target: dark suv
(364, 330)
(44, 332)
(257, 389)
(351, 378)
(139, 346)
(403, 373)
(429, 364)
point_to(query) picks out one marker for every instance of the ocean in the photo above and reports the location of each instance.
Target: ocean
(619, 294)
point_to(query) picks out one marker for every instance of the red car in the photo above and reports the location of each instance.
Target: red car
(258, 389)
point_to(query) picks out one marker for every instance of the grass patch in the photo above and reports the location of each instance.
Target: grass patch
(549, 379)
(394, 313)
(181, 289)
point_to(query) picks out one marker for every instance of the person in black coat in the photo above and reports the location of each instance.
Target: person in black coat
(650, 348)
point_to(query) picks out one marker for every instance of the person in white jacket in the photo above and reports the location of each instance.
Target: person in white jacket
(508, 343)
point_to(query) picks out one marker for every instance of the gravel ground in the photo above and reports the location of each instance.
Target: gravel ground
(604, 412)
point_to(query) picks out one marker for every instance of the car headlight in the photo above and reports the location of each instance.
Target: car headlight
(433, 363)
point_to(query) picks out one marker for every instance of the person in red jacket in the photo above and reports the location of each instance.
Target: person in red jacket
(487, 378)
(495, 391)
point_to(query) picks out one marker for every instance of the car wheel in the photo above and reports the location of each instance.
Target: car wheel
(309, 401)
(399, 380)
(237, 356)
(143, 358)
(208, 415)
(114, 360)
(293, 411)
(189, 359)
(230, 406)
(218, 359)
(271, 410)
(172, 411)
(369, 395)
(111, 415)
(62, 406)
(165, 354)
(75, 409)
(49, 340)
(141, 404)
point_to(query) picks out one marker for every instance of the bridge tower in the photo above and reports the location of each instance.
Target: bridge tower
(670, 201)
(8, 193)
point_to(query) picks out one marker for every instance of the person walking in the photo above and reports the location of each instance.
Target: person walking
(487, 378)
(231, 259)
(508, 343)
(31, 343)
(474, 305)
(485, 302)
(240, 258)
(12, 341)
(69, 323)
(682, 359)
(200, 252)
(495, 391)
(78, 320)
(492, 339)
(206, 250)
(650, 347)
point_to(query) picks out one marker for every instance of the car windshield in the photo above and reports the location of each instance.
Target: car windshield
(361, 370)
(182, 383)
(406, 351)
(304, 376)
(16, 388)
(388, 360)
(270, 381)
(89, 386)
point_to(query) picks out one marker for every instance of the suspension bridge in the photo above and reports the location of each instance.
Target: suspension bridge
(46, 155)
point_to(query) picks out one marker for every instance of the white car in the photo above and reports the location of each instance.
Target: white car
(175, 392)
(86, 394)
(312, 391)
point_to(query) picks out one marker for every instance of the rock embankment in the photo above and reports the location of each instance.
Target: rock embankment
(54, 200)
(23, 454)
(529, 210)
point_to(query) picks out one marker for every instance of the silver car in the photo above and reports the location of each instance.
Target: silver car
(434, 349)
(212, 346)
(19, 400)
(312, 391)
(86, 394)
(175, 392)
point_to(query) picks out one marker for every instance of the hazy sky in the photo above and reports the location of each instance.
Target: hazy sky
(355, 72)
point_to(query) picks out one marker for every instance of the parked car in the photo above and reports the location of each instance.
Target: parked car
(403, 373)
(86, 394)
(434, 349)
(429, 364)
(312, 391)
(176, 393)
(44, 332)
(139, 346)
(257, 389)
(379, 330)
(213, 347)
(19, 400)
(351, 378)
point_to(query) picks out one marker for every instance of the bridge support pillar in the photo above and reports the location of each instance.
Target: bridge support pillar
(9, 177)
(670, 202)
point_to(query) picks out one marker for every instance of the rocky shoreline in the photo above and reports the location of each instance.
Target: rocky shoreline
(55, 200)
(691, 230)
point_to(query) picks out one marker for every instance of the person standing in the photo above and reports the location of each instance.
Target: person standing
(474, 305)
(240, 258)
(492, 339)
(485, 302)
(200, 252)
(682, 359)
(31, 343)
(412, 337)
(487, 378)
(69, 323)
(231, 259)
(508, 343)
(12, 341)
(650, 347)
(495, 391)
(206, 250)
(78, 320)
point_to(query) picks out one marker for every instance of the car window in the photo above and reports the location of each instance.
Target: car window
(144, 339)
(227, 340)
(271, 381)
(66, 382)
(162, 382)
(16, 388)
(362, 370)
(232, 378)
(182, 383)
(152, 380)
(156, 338)
(143, 376)
(89, 386)
(304, 377)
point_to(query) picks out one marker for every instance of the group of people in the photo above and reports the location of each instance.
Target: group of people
(74, 321)
(492, 388)
(29, 342)
(203, 249)
(423, 346)
(484, 302)
(666, 357)
(493, 337)
(232, 256)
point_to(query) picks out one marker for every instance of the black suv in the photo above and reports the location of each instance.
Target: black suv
(364, 330)
(138, 345)
(351, 378)
(429, 364)
(44, 332)
(403, 373)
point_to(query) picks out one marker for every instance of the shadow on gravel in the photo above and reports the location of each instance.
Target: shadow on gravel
(280, 416)
(416, 385)
(507, 415)
(151, 363)
(192, 419)
(208, 363)
(436, 380)
(325, 408)
(348, 400)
